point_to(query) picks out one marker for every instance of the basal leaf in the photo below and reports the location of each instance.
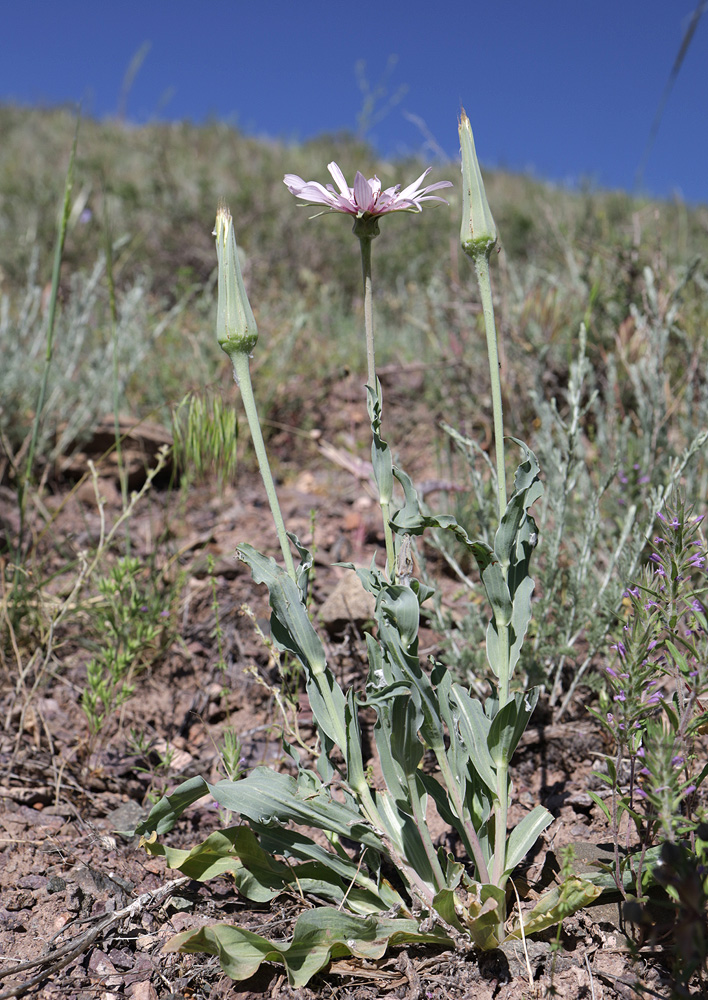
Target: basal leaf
(320, 936)
(266, 796)
(236, 851)
(165, 813)
(557, 904)
(444, 904)
(485, 909)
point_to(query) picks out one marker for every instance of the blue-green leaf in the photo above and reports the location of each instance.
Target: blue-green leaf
(291, 628)
(474, 730)
(399, 606)
(524, 836)
(265, 796)
(165, 813)
(555, 905)
(293, 631)
(320, 935)
(509, 724)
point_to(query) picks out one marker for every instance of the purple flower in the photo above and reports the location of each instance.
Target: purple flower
(620, 697)
(676, 761)
(366, 197)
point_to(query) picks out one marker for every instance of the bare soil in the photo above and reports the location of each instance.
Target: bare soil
(85, 912)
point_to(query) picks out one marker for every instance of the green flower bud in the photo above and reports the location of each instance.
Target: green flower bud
(478, 234)
(236, 329)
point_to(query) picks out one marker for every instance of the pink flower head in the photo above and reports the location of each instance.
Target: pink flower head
(366, 197)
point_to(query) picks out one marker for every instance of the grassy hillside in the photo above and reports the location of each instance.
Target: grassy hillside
(566, 258)
(610, 425)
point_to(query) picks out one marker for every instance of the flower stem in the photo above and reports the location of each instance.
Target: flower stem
(481, 263)
(501, 806)
(242, 378)
(365, 243)
(384, 502)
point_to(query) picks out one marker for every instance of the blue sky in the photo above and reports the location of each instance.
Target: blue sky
(564, 89)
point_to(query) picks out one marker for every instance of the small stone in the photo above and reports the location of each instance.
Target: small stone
(21, 899)
(142, 991)
(125, 818)
(348, 604)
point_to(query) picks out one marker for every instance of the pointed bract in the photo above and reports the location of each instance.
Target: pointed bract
(479, 233)
(235, 323)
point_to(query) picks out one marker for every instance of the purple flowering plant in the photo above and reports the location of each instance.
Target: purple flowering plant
(653, 706)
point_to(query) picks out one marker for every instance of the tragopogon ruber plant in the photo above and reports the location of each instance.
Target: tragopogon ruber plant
(386, 879)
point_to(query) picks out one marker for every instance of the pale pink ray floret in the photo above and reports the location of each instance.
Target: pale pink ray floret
(366, 197)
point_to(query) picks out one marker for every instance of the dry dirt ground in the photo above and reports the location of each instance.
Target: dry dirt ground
(85, 912)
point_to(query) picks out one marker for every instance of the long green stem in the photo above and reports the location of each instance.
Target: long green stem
(481, 263)
(384, 502)
(501, 807)
(365, 244)
(242, 377)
